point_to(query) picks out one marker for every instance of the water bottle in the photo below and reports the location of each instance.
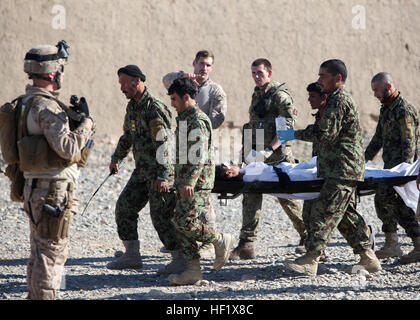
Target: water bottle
(281, 125)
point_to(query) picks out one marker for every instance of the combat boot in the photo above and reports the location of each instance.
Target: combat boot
(306, 264)
(222, 245)
(207, 250)
(190, 275)
(244, 250)
(176, 266)
(118, 253)
(391, 247)
(131, 259)
(414, 255)
(369, 261)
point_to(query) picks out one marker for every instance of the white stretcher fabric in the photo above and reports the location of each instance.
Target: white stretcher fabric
(306, 171)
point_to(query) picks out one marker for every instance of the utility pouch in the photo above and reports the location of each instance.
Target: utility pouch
(8, 131)
(17, 182)
(36, 155)
(55, 221)
(85, 153)
(33, 153)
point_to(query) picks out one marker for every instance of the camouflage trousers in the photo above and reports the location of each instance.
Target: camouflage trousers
(306, 212)
(391, 210)
(251, 215)
(48, 256)
(134, 197)
(336, 208)
(189, 223)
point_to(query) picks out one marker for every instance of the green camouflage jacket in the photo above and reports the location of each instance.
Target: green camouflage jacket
(397, 133)
(194, 166)
(266, 105)
(339, 135)
(143, 124)
(315, 144)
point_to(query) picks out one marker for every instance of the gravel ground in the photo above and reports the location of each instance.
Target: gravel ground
(94, 240)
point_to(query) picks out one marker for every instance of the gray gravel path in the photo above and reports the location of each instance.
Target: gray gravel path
(94, 240)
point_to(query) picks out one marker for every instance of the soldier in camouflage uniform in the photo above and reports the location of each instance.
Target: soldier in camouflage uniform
(397, 133)
(194, 180)
(341, 163)
(269, 101)
(53, 185)
(146, 128)
(210, 98)
(317, 100)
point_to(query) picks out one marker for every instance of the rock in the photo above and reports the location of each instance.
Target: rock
(248, 278)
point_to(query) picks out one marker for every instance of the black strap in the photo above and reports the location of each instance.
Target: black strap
(33, 186)
(283, 177)
(262, 105)
(47, 57)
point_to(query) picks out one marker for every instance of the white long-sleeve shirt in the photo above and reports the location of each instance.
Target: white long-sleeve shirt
(210, 98)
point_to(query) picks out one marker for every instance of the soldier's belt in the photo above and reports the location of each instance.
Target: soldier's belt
(43, 183)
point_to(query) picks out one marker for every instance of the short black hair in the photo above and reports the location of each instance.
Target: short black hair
(220, 174)
(336, 66)
(182, 87)
(383, 77)
(315, 87)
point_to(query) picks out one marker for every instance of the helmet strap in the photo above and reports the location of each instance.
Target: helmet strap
(56, 79)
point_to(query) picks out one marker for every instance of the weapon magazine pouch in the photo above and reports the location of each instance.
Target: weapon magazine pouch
(17, 182)
(85, 153)
(57, 227)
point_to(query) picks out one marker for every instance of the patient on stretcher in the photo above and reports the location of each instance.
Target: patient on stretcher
(307, 171)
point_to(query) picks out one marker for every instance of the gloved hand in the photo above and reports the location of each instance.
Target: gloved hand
(254, 156)
(285, 135)
(83, 106)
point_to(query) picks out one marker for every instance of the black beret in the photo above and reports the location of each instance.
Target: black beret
(132, 71)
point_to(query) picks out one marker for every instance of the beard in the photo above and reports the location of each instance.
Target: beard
(385, 95)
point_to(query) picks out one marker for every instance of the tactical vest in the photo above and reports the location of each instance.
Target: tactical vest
(262, 123)
(35, 154)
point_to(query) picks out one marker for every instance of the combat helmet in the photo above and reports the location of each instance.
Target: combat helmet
(45, 59)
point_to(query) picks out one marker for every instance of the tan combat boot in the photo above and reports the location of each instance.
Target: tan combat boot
(222, 246)
(414, 255)
(244, 250)
(369, 261)
(131, 259)
(207, 251)
(176, 266)
(190, 275)
(306, 264)
(391, 247)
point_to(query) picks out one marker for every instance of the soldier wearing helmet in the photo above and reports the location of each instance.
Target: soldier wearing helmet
(50, 199)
